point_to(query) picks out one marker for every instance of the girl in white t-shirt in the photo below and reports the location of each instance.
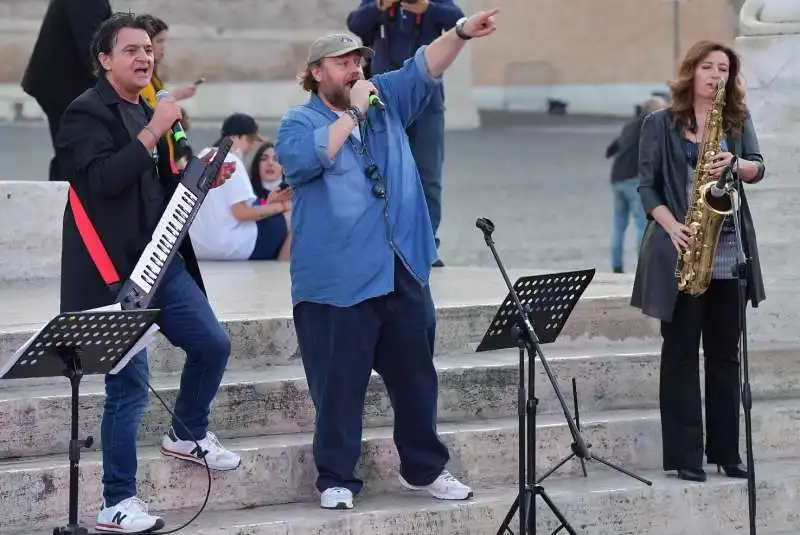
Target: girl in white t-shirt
(233, 224)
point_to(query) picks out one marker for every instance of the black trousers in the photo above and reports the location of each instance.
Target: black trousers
(713, 317)
(340, 346)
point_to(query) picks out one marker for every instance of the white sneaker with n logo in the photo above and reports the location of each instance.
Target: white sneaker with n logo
(128, 516)
(217, 457)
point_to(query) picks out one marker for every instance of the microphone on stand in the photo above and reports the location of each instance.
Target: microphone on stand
(720, 188)
(727, 177)
(178, 134)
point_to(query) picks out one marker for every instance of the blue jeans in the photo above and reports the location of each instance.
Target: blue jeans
(188, 322)
(627, 203)
(426, 138)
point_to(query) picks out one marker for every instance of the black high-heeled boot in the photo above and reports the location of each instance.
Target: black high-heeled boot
(692, 474)
(733, 470)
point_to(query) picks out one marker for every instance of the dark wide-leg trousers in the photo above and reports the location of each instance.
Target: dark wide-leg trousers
(713, 317)
(394, 335)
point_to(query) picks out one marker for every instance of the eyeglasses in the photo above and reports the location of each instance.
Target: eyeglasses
(374, 174)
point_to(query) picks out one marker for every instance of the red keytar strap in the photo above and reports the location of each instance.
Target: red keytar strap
(92, 241)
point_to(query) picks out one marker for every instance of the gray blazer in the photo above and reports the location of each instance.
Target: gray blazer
(662, 180)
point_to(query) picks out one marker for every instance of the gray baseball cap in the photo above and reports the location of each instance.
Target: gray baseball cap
(335, 45)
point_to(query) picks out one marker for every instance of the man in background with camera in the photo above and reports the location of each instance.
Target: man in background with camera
(395, 30)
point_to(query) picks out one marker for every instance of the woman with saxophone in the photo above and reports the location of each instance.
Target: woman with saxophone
(669, 163)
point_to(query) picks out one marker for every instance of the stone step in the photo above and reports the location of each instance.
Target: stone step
(258, 317)
(35, 420)
(602, 504)
(280, 469)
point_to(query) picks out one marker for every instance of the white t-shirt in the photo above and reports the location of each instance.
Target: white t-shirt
(215, 233)
(356, 133)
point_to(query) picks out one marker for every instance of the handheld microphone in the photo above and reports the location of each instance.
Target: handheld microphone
(374, 100)
(177, 130)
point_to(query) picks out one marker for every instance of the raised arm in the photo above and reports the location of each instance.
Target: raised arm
(441, 53)
(409, 88)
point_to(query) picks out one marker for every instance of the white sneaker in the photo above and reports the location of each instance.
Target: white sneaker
(128, 516)
(446, 487)
(336, 498)
(217, 457)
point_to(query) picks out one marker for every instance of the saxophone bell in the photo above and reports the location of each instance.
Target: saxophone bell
(720, 204)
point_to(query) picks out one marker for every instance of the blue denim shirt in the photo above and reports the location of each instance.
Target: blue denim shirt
(344, 239)
(401, 34)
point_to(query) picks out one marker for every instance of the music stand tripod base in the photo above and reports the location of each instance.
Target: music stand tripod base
(75, 344)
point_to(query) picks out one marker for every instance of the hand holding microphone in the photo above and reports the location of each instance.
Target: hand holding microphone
(167, 116)
(363, 94)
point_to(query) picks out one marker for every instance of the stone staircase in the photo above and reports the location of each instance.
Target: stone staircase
(264, 413)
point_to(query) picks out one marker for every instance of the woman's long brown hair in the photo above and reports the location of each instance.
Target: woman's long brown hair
(682, 88)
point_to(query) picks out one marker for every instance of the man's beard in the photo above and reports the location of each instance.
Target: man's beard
(338, 96)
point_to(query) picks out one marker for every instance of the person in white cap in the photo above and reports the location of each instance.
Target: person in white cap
(361, 256)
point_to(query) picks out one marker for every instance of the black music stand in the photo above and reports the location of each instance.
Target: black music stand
(75, 344)
(546, 301)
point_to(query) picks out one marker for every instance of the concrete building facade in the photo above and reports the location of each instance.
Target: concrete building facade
(599, 56)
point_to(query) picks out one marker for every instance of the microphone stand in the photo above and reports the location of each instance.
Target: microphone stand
(741, 271)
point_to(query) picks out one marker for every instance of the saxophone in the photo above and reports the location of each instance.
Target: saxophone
(705, 213)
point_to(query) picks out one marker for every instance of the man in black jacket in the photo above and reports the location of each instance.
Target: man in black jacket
(60, 67)
(625, 183)
(112, 148)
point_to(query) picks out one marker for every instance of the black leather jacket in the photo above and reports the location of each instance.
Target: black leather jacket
(662, 181)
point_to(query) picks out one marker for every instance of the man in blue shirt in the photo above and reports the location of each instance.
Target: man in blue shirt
(396, 29)
(361, 256)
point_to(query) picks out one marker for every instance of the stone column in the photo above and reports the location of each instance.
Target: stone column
(769, 45)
